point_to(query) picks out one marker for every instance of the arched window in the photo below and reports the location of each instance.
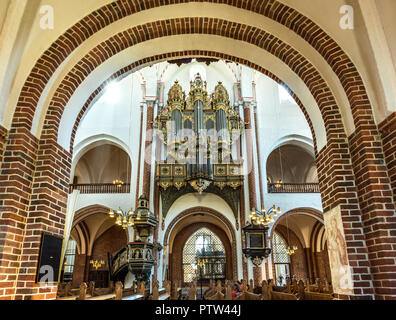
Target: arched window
(281, 259)
(206, 246)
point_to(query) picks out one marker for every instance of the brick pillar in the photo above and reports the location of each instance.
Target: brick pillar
(3, 140)
(242, 217)
(257, 276)
(16, 176)
(337, 187)
(388, 134)
(308, 255)
(377, 206)
(46, 213)
(79, 270)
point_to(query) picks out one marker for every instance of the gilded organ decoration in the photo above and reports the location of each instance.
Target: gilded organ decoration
(199, 132)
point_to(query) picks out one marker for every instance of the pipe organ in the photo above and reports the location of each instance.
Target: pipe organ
(198, 133)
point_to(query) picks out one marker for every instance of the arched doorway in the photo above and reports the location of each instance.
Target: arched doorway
(190, 223)
(176, 261)
(206, 247)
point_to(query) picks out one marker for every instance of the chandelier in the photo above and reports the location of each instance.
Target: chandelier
(118, 183)
(290, 250)
(262, 217)
(123, 219)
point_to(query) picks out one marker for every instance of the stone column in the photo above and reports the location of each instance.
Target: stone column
(140, 153)
(257, 271)
(148, 148)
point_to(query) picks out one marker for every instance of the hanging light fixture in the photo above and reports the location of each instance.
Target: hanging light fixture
(123, 218)
(118, 182)
(290, 250)
(263, 218)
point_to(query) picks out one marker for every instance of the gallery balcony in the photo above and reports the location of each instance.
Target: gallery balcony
(293, 188)
(99, 188)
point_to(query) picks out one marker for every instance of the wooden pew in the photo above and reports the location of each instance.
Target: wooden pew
(211, 290)
(159, 294)
(251, 286)
(265, 291)
(228, 290)
(64, 290)
(245, 295)
(132, 293)
(273, 295)
(90, 295)
(306, 295)
(192, 292)
(176, 290)
(218, 295)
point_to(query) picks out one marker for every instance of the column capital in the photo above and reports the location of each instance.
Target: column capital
(246, 102)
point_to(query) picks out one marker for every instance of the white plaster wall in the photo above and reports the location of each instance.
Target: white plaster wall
(125, 201)
(213, 73)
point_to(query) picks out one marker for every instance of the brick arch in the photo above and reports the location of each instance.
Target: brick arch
(224, 221)
(83, 213)
(124, 72)
(300, 263)
(107, 14)
(307, 211)
(210, 26)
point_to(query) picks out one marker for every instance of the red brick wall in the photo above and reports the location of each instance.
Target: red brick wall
(16, 176)
(111, 241)
(79, 270)
(3, 140)
(322, 260)
(388, 133)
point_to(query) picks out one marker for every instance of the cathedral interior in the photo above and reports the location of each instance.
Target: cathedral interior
(189, 150)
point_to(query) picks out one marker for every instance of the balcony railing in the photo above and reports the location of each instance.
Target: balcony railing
(100, 188)
(293, 188)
